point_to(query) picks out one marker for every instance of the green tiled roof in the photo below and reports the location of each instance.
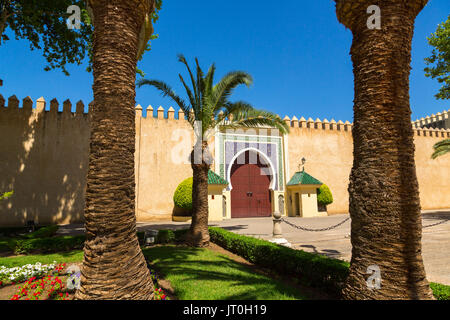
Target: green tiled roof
(214, 178)
(302, 177)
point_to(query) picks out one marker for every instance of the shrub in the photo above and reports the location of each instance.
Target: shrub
(170, 236)
(310, 269)
(165, 236)
(141, 237)
(324, 195)
(54, 244)
(182, 197)
(6, 245)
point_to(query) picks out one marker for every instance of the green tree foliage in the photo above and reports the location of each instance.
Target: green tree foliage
(439, 62)
(182, 197)
(44, 24)
(441, 148)
(324, 195)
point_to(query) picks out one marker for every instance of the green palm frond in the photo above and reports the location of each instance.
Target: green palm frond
(209, 80)
(245, 116)
(192, 98)
(222, 91)
(182, 59)
(441, 148)
(201, 90)
(230, 108)
(210, 103)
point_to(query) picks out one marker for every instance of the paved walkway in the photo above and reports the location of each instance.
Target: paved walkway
(333, 243)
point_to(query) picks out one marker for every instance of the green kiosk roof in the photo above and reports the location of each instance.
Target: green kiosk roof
(214, 178)
(302, 178)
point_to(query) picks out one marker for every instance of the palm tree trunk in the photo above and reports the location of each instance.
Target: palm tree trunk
(114, 266)
(198, 234)
(384, 196)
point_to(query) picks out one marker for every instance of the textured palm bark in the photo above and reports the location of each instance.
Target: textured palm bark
(386, 226)
(198, 235)
(114, 266)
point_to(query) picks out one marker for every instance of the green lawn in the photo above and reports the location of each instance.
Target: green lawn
(201, 274)
(71, 256)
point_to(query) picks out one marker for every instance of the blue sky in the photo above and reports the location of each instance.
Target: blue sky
(296, 51)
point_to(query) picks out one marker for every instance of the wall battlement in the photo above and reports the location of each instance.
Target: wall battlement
(45, 159)
(431, 126)
(435, 121)
(41, 106)
(347, 126)
(160, 113)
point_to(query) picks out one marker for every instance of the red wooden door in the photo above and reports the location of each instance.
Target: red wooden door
(250, 196)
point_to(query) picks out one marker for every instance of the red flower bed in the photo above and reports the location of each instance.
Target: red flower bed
(49, 287)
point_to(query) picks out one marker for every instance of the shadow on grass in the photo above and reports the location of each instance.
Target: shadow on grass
(330, 253)
(202, 274)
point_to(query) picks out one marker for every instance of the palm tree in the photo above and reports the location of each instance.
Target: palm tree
(441, 148)
(114, 266)
(386, 225)
(209, 107)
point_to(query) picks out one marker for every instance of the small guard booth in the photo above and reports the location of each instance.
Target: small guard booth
(302, 195)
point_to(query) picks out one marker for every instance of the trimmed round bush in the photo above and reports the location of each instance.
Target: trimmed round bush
(182, 197)
(324, 196)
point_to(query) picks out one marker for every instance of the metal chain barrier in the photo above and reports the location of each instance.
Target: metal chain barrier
(315, 230)
(341, 223)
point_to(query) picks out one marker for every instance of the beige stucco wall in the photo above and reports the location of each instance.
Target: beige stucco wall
(227, 195)
(307, 201)
(433, 175)
(215, 202)
(276, 202)
(44, 158)
(329, 154)
(162, 157)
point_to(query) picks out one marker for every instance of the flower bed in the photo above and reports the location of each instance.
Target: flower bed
(159, 293)
(48, 281)
(20, 274)
(49, 287)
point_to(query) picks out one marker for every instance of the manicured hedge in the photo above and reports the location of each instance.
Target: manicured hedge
(310, 269)
(182, 197)
(165, 236)
(51, 244)
(65, 243)
(43, 232)
(22, 243)
(5, 245)
(170, 236)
